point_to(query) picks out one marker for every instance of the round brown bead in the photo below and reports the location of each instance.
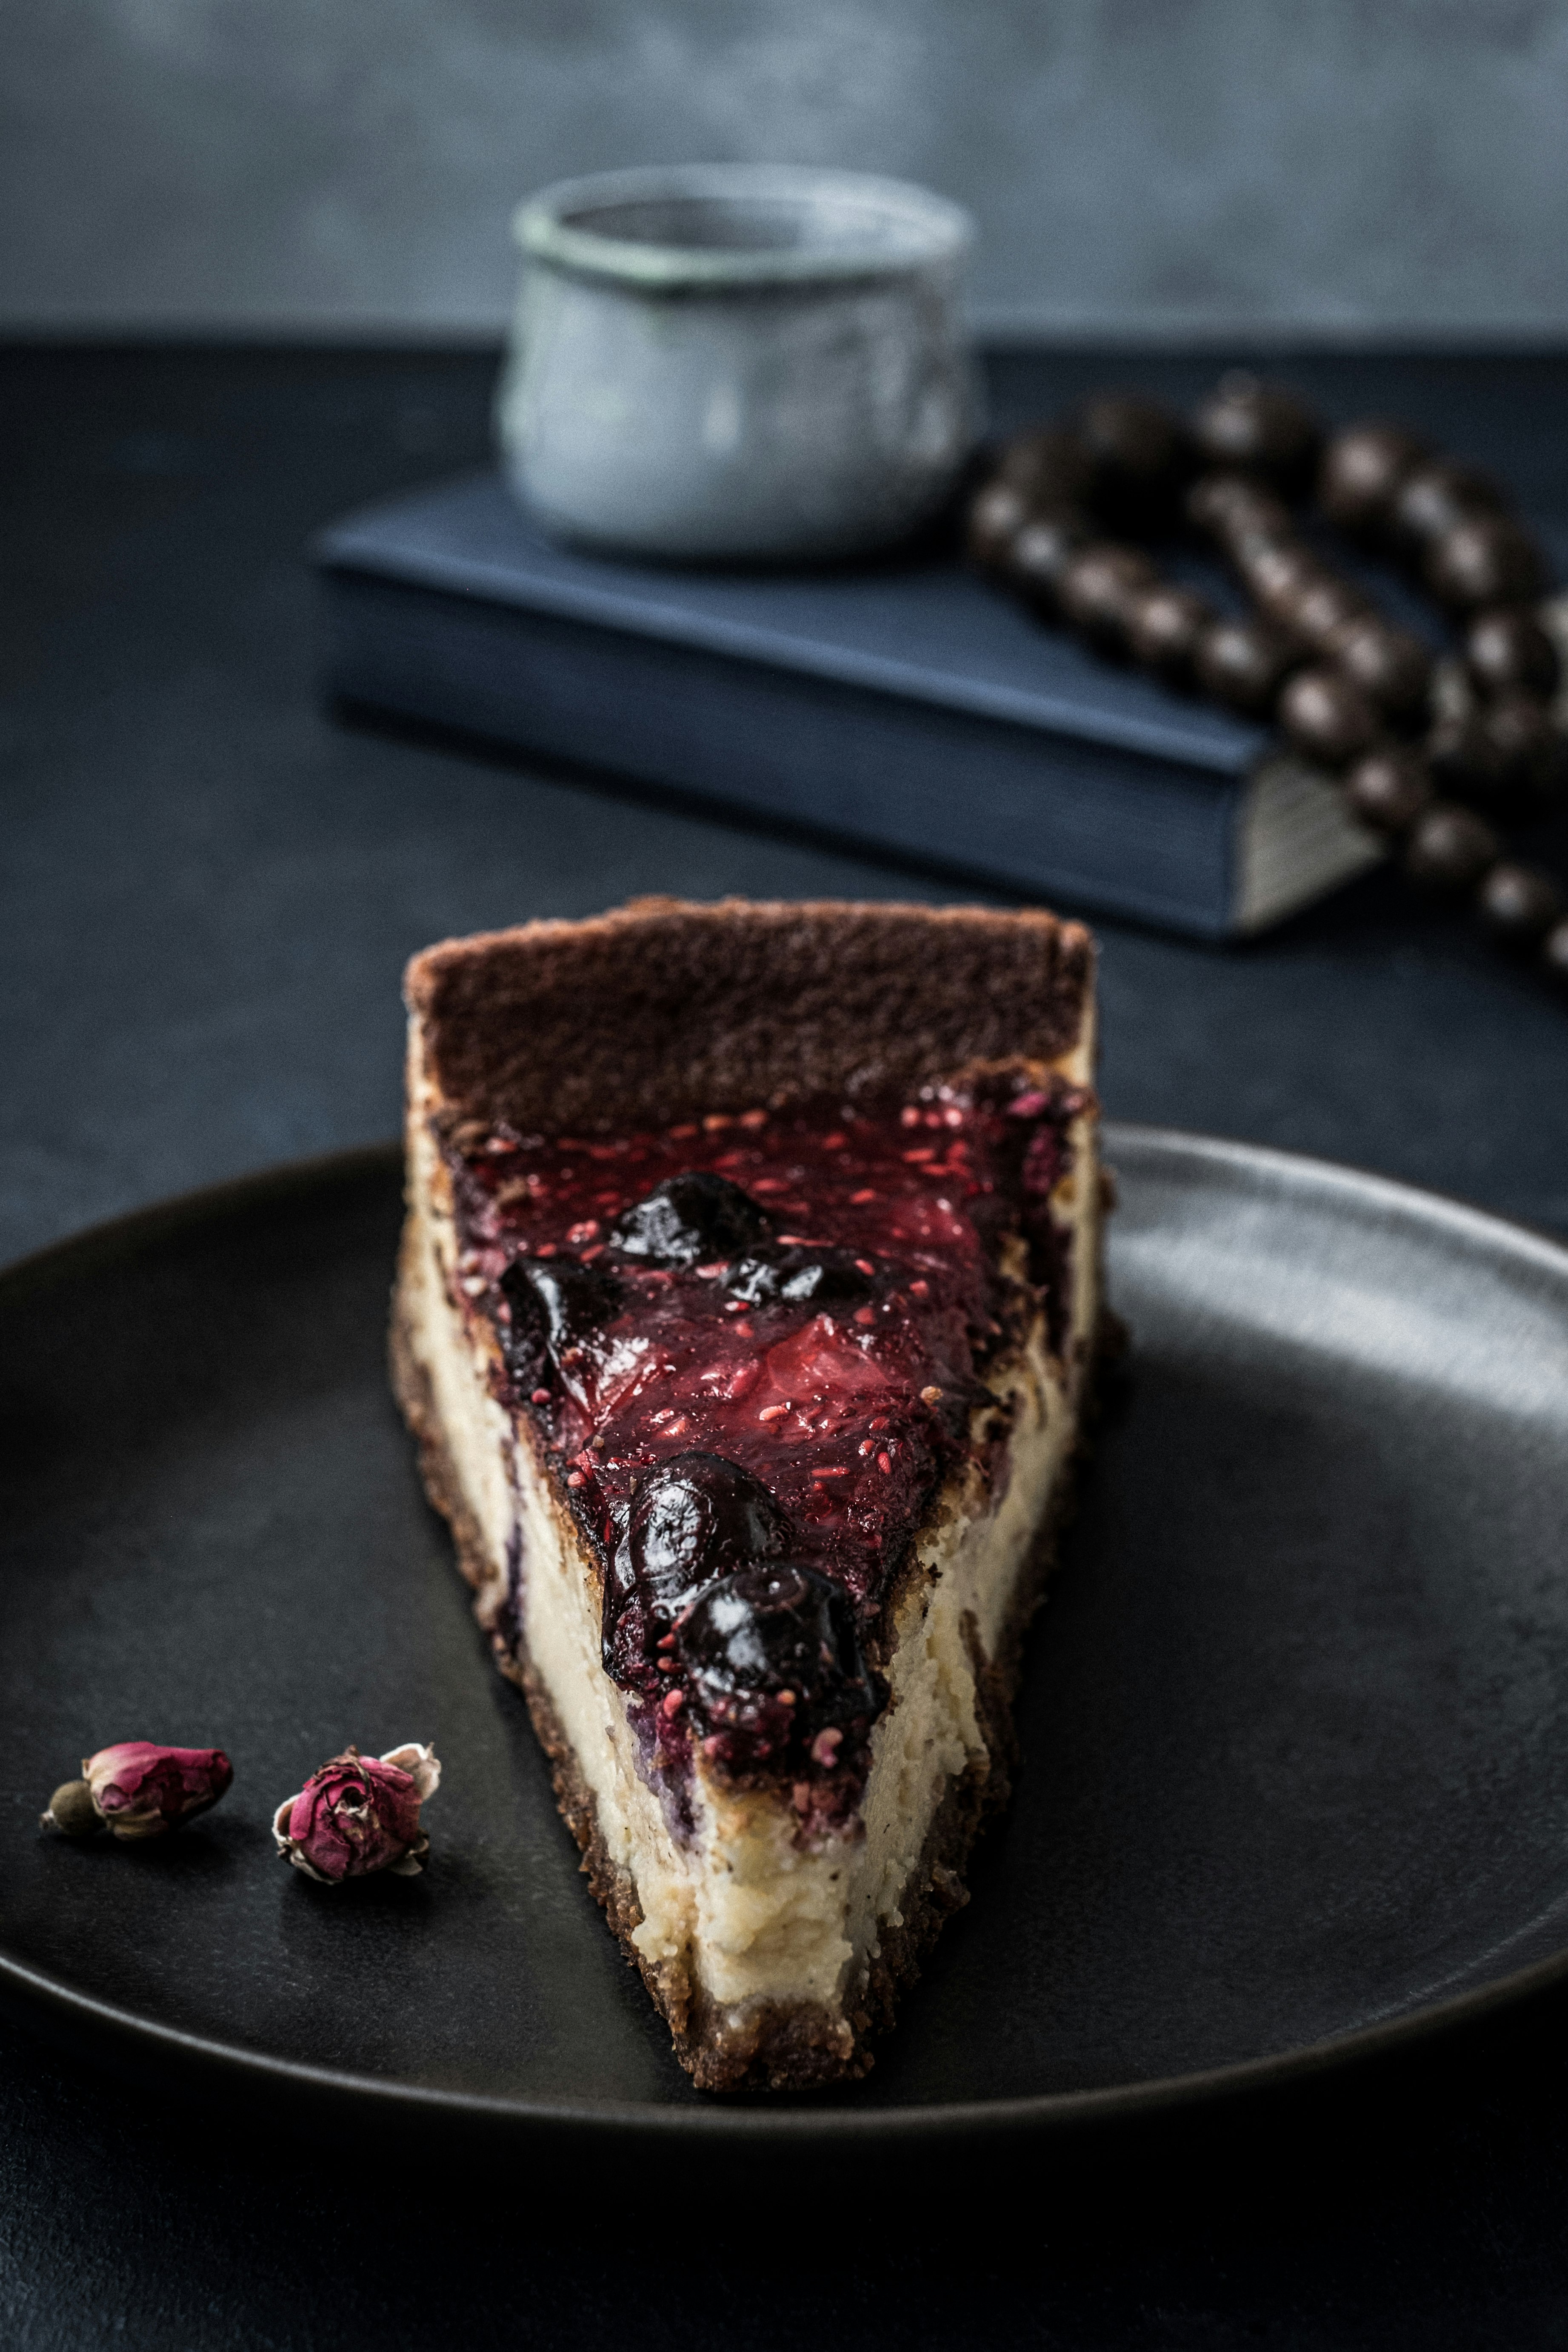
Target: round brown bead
(1530, 750)
(1134, 444)
(1464, 759)
(1279, 572)
(1507, 651)
(1097, 588)
(1050, 466)
(1391, 664)
(1388, 790)
(1259, 428)
(997, 514)
(1164, 625)
(1520, 903)
(1449, 847)
(1555, 953)
(1241, 663)
(1320, 608)
(1328, 716)
(1361, 473)
(1437, 497)
(1038, 554)
(1484, 560)
(1238, 511)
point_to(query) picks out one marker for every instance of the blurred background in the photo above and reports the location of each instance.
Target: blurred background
(1181, 169)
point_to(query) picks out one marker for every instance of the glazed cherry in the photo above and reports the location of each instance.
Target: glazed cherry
(696, 1517)
(554, 1308)
(689, 1218)
(774, 1632)
(823, 1277)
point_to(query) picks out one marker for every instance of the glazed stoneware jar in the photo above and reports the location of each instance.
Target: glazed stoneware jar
(737, 362)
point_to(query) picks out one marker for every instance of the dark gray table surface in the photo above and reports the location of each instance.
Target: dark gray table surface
(209, 889)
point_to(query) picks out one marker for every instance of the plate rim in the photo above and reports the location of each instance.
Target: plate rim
(34, 1997)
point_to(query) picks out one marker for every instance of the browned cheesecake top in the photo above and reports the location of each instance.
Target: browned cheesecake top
(665, 1008)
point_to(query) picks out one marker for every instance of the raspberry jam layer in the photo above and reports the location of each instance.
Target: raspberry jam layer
(755, 1346)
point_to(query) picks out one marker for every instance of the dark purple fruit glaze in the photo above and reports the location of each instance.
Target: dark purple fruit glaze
(753, 1346)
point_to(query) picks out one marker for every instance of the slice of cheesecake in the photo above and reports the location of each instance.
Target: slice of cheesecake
(748, 1301)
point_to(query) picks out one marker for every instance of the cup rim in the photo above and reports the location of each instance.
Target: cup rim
(544, 227)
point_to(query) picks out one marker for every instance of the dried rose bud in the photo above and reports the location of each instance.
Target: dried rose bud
(142, 1789)
(359, 1814)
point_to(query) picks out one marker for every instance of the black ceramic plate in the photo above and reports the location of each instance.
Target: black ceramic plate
(1295, 1727)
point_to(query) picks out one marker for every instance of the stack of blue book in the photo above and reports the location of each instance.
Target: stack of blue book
(905, 705)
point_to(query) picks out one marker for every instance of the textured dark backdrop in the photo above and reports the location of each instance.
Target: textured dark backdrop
(1151, 166)
(208, 889)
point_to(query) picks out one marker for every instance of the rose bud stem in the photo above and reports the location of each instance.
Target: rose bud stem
(360, 1814)
(71, 1812)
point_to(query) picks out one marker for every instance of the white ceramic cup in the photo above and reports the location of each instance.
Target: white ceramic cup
(737, 362)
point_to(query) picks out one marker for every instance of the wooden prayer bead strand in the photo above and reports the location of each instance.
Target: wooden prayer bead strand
(1312, 603)
(1034, 523)
(1507, 651)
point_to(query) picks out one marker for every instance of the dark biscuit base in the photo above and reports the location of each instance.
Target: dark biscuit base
(667, 1008)
(780, 2047)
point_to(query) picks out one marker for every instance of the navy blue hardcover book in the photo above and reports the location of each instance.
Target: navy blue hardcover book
(904, 704)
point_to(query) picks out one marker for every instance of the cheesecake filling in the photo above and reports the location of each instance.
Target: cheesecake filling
(758, 1419)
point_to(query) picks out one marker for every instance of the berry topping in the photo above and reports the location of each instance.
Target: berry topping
(694, 1217)
(553, 1307)
(772, 1659)
(693, 1519)
(801, 1274)
(743, 1341)
(696, 1517)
